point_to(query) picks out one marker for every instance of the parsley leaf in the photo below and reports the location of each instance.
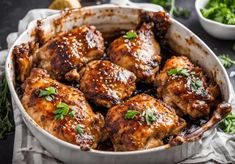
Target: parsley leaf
(130, 35)
(130, 114)
(228, 124)
(178, 71)
(62, 110)
(195, 84)
(79, 129)
(72, 113)
(226, 60)
(48, 93)
(149, 116)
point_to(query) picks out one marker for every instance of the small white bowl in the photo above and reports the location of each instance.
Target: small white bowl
(216, 29)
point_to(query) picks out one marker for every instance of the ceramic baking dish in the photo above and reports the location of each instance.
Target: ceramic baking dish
(108, 18)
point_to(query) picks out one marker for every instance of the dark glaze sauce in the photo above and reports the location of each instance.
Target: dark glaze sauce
(161, 24)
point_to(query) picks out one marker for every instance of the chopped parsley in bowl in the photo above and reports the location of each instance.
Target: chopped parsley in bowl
(222, 11)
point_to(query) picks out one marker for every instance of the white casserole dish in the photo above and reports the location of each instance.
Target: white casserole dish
(108, 18)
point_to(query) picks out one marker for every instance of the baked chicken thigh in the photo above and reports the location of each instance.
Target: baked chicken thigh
(63, 53)
(185, 87)
(61, 110)
(71, 50)
(105, 83)
(138, 52)
(141, 123)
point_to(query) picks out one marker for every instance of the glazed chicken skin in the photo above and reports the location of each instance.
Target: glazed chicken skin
(141, 54)
(153, 121)
(186, 88)
(70, 51)
(65, 114)
(105, 83)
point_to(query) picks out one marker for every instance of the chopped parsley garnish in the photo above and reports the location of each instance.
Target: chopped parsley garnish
(149, 116)
(226, 60)
(228, 124)
(130, 35)
(79, 129)
(130, 114)
(173, 10)
(48, 93)
(222, 11)
(72, 113)
(178, 71)
(195, 84)
(62, 110)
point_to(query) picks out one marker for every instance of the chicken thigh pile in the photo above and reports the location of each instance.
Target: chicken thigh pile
(68, 80)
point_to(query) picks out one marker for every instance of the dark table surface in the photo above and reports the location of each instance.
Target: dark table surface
(14, 10)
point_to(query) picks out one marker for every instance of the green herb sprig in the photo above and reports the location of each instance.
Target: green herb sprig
(130, 35)
(79, 129)
(62, 110)
(181, 12)
(173, 10)
(228, 124)
(48, 93)
(226, 60)
(178, 71)
(149, 116)
(5, 108)
(194, 83)
(131, 114)
(72, 113)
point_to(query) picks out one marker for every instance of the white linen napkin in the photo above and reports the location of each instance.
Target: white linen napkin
(28, 150)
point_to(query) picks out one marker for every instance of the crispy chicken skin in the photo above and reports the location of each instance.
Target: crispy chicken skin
(70, 51)
(135, 134)
(140, 55)
(43, 111)
(105, 83)
(191, 95)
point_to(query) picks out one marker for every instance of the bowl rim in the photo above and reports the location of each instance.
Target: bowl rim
(25, 115)
(209, 20)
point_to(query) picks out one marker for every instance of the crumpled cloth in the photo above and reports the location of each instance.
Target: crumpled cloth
(219, 148)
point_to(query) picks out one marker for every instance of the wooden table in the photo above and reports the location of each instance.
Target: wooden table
(14, 10)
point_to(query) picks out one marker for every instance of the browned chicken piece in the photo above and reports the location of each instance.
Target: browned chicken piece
(138, 52)
(105, 83)
(141, 123)
(61, 110)
(185, 87)
(71, 51)
(25, 54)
